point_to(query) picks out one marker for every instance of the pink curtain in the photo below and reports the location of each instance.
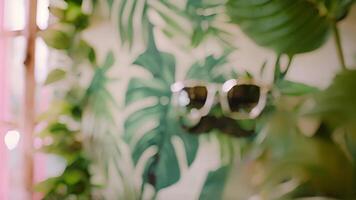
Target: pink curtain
(4, 95)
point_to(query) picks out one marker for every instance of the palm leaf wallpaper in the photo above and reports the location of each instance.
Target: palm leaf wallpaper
(127, 139)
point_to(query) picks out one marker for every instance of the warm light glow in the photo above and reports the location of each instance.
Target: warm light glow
(12, 139)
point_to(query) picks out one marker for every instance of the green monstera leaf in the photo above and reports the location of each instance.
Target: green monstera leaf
(155, 128)
(162, 67)
(288, 26)
(285, 164)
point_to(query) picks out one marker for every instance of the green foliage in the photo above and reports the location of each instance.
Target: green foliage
(207, 70)
(291, 88)
(278, 162)
(56, 39)
(63, 139)
(75, 16)
(337, 104)
(282, 163)
(285, 163)
(288, 27)
(73, 183)
(63, 131)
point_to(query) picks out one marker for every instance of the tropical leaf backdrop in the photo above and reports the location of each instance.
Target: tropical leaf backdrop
(151, 152)
(155, 128)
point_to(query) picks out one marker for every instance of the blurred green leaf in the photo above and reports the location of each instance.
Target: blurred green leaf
(75, 16)
(46, 186)
(55, 11)
(288, 27)
(63, 132)
(58, 128)
(56, 39)
(82, 51)
(312, 164)
(337, 104)
(291, 88)
(55, 76)
(77, 2)
(72, 177)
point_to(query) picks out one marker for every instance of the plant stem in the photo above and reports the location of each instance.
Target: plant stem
(283, 75)
(339, 50)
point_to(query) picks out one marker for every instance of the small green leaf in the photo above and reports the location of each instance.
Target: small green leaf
(56, 39)
(55, 76)
(58, 12)
(58, 128)
(47, 185)
(291, 88)
(72, 177)
(81, 51)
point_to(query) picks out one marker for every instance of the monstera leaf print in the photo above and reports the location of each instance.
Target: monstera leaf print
(100, 128)
(162, 168)
(153, 130)
(179, 17)
(289, 26)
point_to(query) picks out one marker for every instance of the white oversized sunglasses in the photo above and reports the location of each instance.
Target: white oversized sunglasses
(239, 99)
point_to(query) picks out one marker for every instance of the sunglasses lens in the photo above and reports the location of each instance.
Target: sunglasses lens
(193, 97)
(243, 98)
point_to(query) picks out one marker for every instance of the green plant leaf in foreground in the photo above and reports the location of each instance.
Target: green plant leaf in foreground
(54, 76)
(337, 106)
(286, 164)
(288, 26)
(56, 39)
(291, 88)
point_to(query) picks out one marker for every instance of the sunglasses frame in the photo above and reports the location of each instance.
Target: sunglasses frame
(195, 115)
